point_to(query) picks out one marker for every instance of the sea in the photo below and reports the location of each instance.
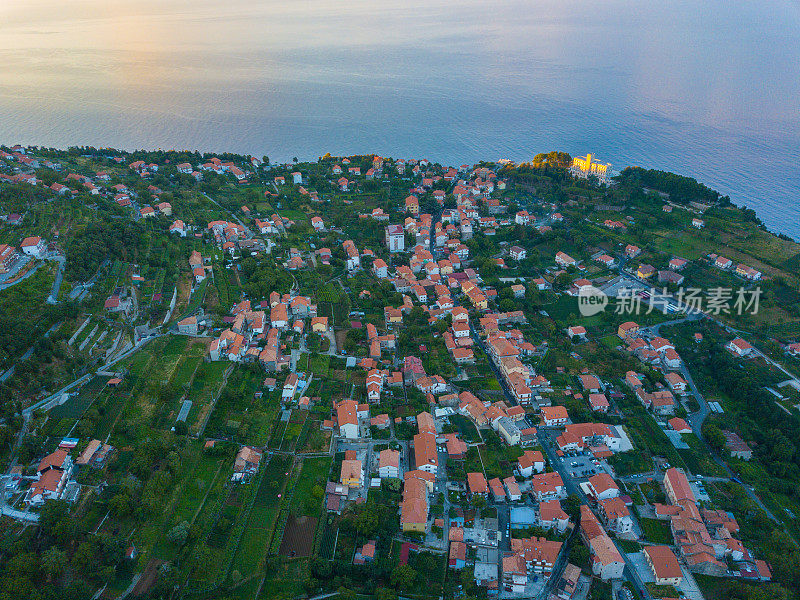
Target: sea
(708, 89)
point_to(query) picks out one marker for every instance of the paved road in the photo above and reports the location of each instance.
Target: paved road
(546, 440)
(697, 418)
(62, 261)
(21, 262)
(694, 315)
(8, 511)
(53, 400)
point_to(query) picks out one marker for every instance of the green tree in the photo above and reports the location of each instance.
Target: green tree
(714, 436)
(179, 534)
(403, 577)
(54, 561)
(346, 594)
(572, 506)
(384, 593)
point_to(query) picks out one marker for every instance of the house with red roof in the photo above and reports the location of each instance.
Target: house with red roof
(599, 403)
(739, 347)
(33, 246)
(53, 473)
(554, 416)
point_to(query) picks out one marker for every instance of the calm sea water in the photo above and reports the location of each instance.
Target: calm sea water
(709, 89)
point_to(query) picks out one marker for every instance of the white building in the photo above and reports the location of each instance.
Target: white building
(395, 238)
(615, 515)
(739, 347)
(33, 246)
(531, 461)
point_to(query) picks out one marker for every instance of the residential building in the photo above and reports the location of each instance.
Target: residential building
(531, 461)
(509, 431)
(628, 330)
(607, 562)
(664, 565)
(547, 486)
(565, 260)
(737, 446)
(552, 515)
(425, 453)
(477, 484)
(677, 487)
(395, 238)
(245, 465)
(53, 473)
(602, 486)
(414, 505)
(8, 258)
(389, 463)
(33, 246)
(739, 347)
(554, 416)
(347, 419)
(352, 474)
(615, 515)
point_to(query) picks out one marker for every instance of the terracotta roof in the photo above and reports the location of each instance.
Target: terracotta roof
(425, 450)
(529, 458)
(476, 483)
(554, 413)
(679, 484)
(351, 469)
(54, 460)
(551, 510)
(665, 565)
(389, 458)
(603, 482)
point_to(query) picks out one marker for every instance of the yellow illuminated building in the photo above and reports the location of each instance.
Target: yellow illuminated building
(585, 166)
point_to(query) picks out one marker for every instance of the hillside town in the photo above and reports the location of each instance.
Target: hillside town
(381, 375)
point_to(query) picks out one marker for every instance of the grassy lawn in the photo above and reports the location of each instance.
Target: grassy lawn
(720, 588)
(113, 407)
(186, 498)
(278, 432)
(292, 432)
(185, 370)
(75, 406)
(314, 474)
(295, 215)
(255, 539)
(239, 415)
(629, 545)
(206, 384)
(662, 591)
(285, 580)
(656, 531)
(610, 341)
(318, 364)
(697, 459)
(198, 484)
(271, 489)
(176, 344)
(465, 427)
